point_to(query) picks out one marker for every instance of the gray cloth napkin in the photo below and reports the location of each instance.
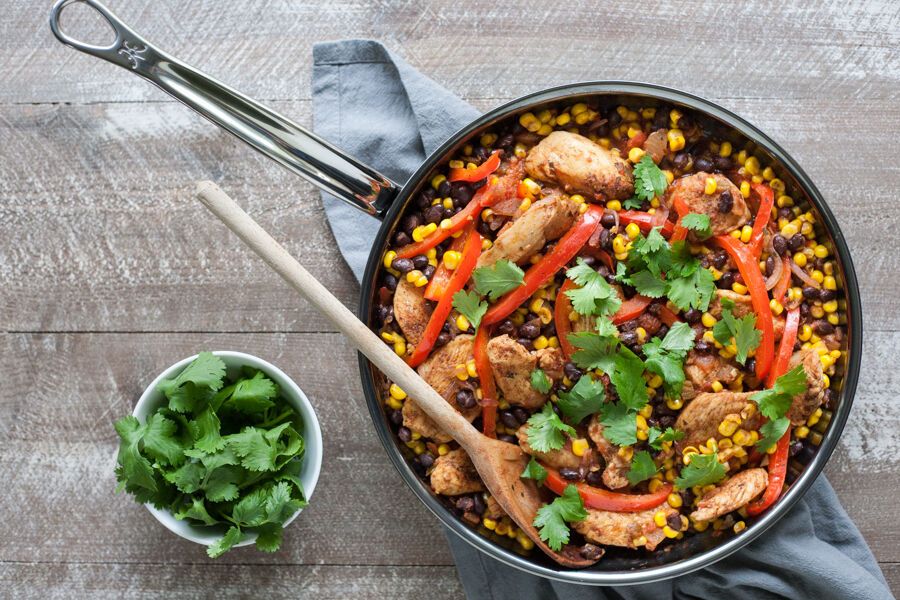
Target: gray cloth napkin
(371, 103)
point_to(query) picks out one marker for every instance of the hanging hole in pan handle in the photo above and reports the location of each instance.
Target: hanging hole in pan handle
(128, 49)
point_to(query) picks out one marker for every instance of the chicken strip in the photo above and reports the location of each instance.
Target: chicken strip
(440, 373)
(563, 458)
(579, 165)
(615, 474)
(546, 220)
(512, 365)
(725, 207)
(624, 529)
(700, 418)
(551, 361)
(806, 403)
(454, 474)
(701, 369)
(731, 495)
(411, 310)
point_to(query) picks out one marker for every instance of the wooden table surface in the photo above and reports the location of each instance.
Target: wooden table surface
(110, 270)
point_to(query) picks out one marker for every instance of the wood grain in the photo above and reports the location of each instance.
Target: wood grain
(94, 302)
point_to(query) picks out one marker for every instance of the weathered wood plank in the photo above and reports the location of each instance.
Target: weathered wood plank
(36, 580)
(66, 390)
(106, 235)
(842, 49)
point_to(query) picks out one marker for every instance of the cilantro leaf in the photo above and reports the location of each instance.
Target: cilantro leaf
(746, 336)
(256, 453)
(585, 398)
(269, 537)
(619, 424)
(552, 519)
(497, 279)
(776, 401)
(252, 395)
(160, 441)
(704, 469)
(222, 484)
(546, 431)
(697, 223)
(632, 204)
(205, 430)
(534, 470)
(648, 284)
(187, 477)
(624, 367)
(207, 370)
(470, 305)
(223, 545)
(251, 509)
(642, 467)
(694, 290)
(197, 510)
(540, 381)
(666, 357)
(649, 180)
(136, 470)
(772, 431)
(594, 296)
(656, 437)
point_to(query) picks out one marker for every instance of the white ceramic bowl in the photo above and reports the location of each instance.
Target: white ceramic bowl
(312, 437)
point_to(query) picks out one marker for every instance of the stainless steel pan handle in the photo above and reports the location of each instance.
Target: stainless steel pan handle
(277, 137)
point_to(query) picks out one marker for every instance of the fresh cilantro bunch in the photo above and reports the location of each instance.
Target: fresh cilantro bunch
(219, 452)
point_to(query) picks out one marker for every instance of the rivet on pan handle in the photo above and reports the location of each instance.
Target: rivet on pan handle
(270, 133)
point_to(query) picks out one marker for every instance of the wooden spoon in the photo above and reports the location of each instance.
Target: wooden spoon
(498, 463)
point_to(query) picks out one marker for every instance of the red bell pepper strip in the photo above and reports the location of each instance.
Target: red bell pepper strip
(759, 296)
(438, 284)
(562, 307)
(779, 459)
(601, 499)
(479, 172)
(681, 209)
(637, 141)
(458, 222)
(645, 221)
(486, 379)
(766, 202)
(784, 281)
(566, 249)
(631, 309)
(461, 275)
(667, 316)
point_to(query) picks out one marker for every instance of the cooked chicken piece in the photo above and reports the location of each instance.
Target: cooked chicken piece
(700, 418)
(731, 495)
(690, 189)
(622, 529)
(579, 165)
(440, 373)
(806, 403)
(512, 365)
(551, 361)
(454, 474)
(492, 509)
(701, 369)
(834, 340)
(558, 459)
(546, 220)
(615, 475)
(411, 310)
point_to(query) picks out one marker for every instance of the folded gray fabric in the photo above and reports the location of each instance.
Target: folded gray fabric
(375, 106)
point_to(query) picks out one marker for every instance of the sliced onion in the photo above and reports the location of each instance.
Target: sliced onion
(772, 281)
(615, 215)
(660, 216)
(803, 276)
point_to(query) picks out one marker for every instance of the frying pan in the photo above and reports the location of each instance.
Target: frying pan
(327, 167)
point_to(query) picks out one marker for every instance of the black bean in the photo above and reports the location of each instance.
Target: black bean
(703, 164)
(804, 310)
(428, 271)
(590, 551)
(443, 339)
(830, 399)
(404, 265)
(465, 398)
(770, 265)
(687, 497)
(509, 439)
(662, 331)
(390, 282)
(702, 346)
(666, 420)
(461, 194)
(827, 295)
(444, 189)
(509, 419)
(796, 242)
(526, 343)
(506, 141)
(605, 239)
(822, 327)
(629, 338)
(420, 261)
(726, 280)
(723, 163)
(806, 454)
(481, 153)
(478, 504)
(795, 447)
(750, 365)
(614, 119)
(811, 293)
(426, 459)
(506, 328)
(608, 220)
(401, 238)
(674, 521)
(692, 315)
(484, 228)
(548, 330)
(521, 414)
(726, 202)
(396, 417)
(434, 214)
(594, 477)
(570, 474)
(404, 434)
(682, 161)
(465, 503)
(529, 330)
(719, 258)
(779, 244)
(410, 222)
(571, 371)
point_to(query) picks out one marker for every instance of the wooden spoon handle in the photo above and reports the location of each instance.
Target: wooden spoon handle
(365, 340)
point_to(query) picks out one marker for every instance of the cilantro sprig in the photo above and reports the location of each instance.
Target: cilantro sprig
(552, 519)
(642, 468)
(540, 381)
(534, 470)
(546, 431)
(698, 223)
(703, 469)
(665, 357)
(471, 306)
(594, 296)
(775, 402)
(497, 279)
(219, 452)
(585, 398)
(656, 436)
(746, 336)
(649, 180)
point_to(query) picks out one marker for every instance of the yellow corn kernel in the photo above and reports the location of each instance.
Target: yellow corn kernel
(776, 306)
(437, 180)
(462, 323)
(660, 518)
(636, 154)
(669, 532)
(546, 316)
(710, 186)
(736, 234)
(716, 386)
(830, 306)
(746, 233)
(489, 523)
(632, 231)
(577, 198)
(451, 259)
(801, 432)
(579, 446)
(614, 205)
(741, 437)
(393, 403)
(413, 275)
(389, 257)
(674, 403)
(641, 334)
(790, 230)
(525, 204)
(729, 426)
(443, 449)
(752, 165)
(456, 164)
(676, 140)
(639, 541)
(739, 526)
(817, 312)
(725, 149)
(524, 540)
(470, 368)
(745, 189)
(829, 282)
(654, 485)
(814, 418)
(805, 333)
(674, 500)
(739, 288)
(400, 347)
(768, 174)
(540, 342)
(654, 382)
(619, 245)
(708, 320)
(674, 116)
(397, 392)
